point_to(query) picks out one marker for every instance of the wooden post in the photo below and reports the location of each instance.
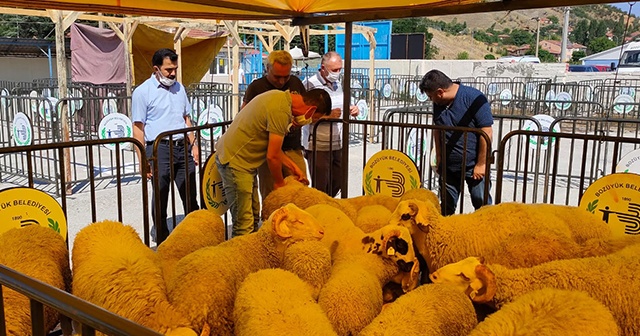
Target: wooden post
(177, 45)
(61, 63)
(232, 26)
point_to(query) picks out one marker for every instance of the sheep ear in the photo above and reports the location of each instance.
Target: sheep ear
(484, 285)
(410, 282)
(280, 223)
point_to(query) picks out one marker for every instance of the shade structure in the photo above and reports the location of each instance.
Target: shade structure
(296, 53)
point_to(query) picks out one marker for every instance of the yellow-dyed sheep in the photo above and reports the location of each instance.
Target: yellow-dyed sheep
(205, 282)
(372, 217)
(443, 240)
(430, 310)
(550, 312)
(311, 262)
(40, 253)
(362, 265)
(275, 302)
(612, 279)
(112, 268)
(304, 197)
(200, 228)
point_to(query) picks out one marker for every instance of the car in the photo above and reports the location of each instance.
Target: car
(583, 68)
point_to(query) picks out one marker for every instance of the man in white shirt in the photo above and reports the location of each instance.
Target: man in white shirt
(326, 166)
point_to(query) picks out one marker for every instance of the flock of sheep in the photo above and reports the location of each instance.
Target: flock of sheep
(370, 265)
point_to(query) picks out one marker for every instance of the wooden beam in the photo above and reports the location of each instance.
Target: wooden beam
(116, 30)
(436, 9)
(70, 19)
(266, 44)
(43, 13)
(134, 26)
(282, 31)
(61, 64)
(178, 35)
(233, 29)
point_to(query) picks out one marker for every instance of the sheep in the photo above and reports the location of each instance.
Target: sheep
(113, 269)
(198, 229)
(311, 262)
(204, 283)
(550, 312)
(276, 302)
(429, 310)
(304, 197)
(372, 217)
(362, 265)
(40, 253)
(443, 240)
(611, 279)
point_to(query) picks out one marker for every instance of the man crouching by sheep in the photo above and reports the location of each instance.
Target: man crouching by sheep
(256, 135)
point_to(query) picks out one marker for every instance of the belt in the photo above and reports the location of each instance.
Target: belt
(175, 143)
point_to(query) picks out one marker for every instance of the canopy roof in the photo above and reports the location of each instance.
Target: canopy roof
(303, 11)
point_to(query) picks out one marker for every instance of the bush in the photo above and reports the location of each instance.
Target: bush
(463, 56)
(489, 57)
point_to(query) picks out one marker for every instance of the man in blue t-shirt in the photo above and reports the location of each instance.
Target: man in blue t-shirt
(461, 106)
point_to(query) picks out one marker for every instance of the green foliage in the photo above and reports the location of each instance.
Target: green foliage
(26, 26)
(554, 19)
(485, 37)
(520, 37)
(600, 44)
(463, 55)
(489, 57)
(543, 55)
(577, 55)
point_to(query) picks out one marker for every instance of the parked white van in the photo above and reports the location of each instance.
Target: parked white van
(519, 59)
(630, 61)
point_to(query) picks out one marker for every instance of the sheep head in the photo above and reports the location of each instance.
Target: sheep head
(394, 243)
(471, 276)
(417, 216)
(292, 224)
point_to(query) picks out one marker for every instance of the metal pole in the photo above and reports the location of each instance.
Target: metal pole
(565, 35)
(50, 61)
(346, 84)
(537, 35)
(326, 40)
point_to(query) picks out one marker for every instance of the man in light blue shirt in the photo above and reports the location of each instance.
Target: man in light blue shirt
(159, 105)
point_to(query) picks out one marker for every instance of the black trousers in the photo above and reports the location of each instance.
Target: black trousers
(184, 172)
(326, 170)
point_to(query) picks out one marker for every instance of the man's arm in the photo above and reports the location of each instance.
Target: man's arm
(276, 159)
(481, 160)
(138, 134)
(438, 143)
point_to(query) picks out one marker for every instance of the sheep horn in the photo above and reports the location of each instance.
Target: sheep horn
(206, 330)
(488, 279)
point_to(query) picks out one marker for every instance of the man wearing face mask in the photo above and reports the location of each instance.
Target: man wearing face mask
(278, 77)
(254, 137)
(326, 167)
(158, 105)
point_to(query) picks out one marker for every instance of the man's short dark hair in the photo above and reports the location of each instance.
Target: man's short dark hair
(319, 98)
(160, 55)
(434, 80)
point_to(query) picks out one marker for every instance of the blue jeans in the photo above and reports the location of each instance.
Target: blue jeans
(454, 184)
(241, 191)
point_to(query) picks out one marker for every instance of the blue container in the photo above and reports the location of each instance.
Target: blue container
(360, 47)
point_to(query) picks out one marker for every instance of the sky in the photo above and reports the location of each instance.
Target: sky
(625, 7)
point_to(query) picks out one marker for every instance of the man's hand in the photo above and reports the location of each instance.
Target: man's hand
(195, 151)
(277, 185)
(354, 111)
(146, 170)
(335, 113)
(478, 171)
(300, 176)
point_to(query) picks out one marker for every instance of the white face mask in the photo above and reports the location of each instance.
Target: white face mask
(168, 82)
(333, 77)
(301, 120)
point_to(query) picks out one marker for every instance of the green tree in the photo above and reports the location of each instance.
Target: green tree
(577, 55)
(543, 55)
(599, 44)
(554, 19)
(463, 55)
(520, 37)
(489, 57)
(581, 32)
(26, 26)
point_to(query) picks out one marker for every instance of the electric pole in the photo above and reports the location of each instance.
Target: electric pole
(565, 35)
(537, 34)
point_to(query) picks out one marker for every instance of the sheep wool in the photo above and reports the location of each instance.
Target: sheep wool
(204, 283)
(372, 217)
(311, 262)
(275, 302)
(550, 312)
(200, 228)
(119, 273)
(39, 253)
(421, 194)
(429, 310)
(612, 279)
(443, 240)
